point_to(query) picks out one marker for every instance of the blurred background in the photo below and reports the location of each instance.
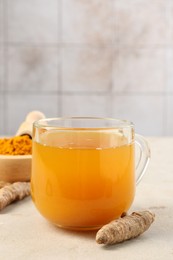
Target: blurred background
(110, 58)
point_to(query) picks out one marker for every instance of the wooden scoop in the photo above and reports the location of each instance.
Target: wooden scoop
(26, 127)
(18, 167)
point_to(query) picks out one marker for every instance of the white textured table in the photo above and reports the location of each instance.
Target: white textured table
(25, 234)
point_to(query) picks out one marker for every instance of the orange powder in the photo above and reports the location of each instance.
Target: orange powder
(17, 145)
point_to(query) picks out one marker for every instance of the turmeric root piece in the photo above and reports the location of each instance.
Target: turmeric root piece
(13, 192)
(124, 228)
(3, 184)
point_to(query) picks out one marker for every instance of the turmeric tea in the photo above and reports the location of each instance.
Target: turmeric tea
(17, 145)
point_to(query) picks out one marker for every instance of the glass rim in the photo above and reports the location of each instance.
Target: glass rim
(118, 122)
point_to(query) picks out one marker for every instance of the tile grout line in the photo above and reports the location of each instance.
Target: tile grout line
(115, 54)
(110, 89)
(5, 66)
(99, 93)
(59, 82)
(87, 45)
(3, 98)
(165, 98)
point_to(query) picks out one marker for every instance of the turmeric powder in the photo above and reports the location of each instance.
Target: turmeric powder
(17, 145)
(13, 192)
(124, 228)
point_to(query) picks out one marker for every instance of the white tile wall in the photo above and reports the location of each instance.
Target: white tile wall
(87, 57)
(170, 21)
(1, 21)
(141, 22)
(139, 70)
(169, 64)
(2, 129)
(86, 105)
(86, 69)
(169, 116)
(19, 105)
(1, 68)
(33, 21)
(146, 112)
(90, 21)
(33, 69)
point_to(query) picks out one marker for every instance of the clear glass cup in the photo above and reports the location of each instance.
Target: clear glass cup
(84, 171)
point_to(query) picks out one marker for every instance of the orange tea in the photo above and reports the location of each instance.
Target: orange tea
(82, 179)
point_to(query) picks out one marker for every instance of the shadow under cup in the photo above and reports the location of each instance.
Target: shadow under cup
(83, 170)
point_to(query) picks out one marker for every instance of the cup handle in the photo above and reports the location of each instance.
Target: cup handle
(144, 157)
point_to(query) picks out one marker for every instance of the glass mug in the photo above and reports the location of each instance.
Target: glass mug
(83, 169)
